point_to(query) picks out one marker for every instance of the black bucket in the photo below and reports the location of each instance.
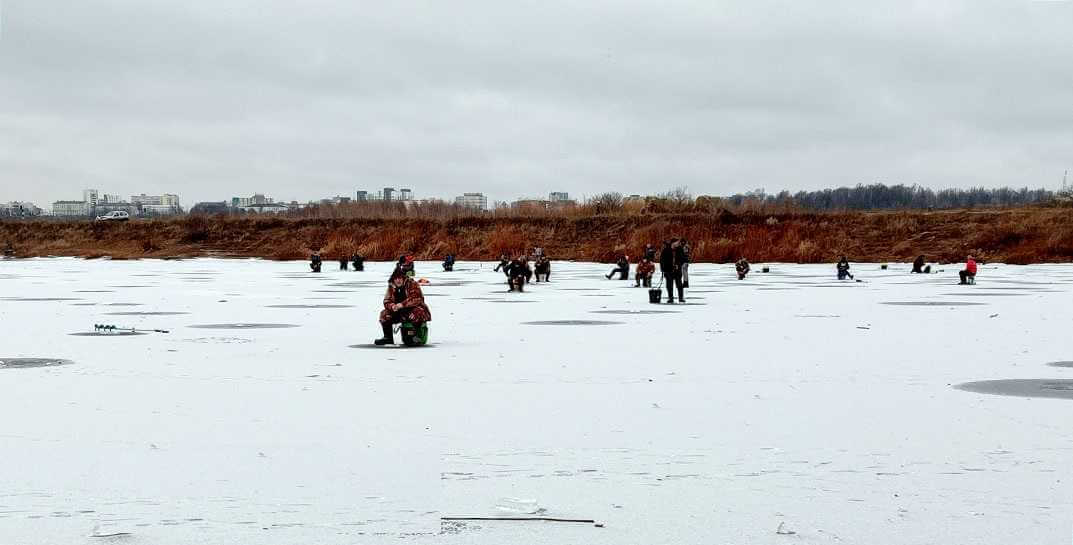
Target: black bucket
(655, 296)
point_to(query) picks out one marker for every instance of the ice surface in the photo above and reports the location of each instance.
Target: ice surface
(829, 413)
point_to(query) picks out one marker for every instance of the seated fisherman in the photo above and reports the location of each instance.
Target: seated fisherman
(403, 302)
(969, 272)
(918, 265)
(843, 269)
(742, 266)
(645, 269)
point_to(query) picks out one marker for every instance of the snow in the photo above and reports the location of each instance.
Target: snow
(786, 408)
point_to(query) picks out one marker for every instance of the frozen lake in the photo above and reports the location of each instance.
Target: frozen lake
(788, 401)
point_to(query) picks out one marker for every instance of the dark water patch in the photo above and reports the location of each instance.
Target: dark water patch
(572, 322)
(635, 311)
(104, 334)
(932, 303)
(392, 346)
(161, 313)
(243, 326)
(1068, 364)
(984, 294)
(40, 299)
(1048, 388)
(83, 304)
(29, 363)
(309, 306)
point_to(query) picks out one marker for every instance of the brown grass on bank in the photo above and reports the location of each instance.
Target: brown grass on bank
(1016, 235)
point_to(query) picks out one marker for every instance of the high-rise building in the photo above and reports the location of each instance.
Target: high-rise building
(362, 196)
(557, 196)
(406, 195)
(388, 192)
(89, 200)
(472, 200)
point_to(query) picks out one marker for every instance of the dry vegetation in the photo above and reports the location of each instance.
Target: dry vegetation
(596, 232)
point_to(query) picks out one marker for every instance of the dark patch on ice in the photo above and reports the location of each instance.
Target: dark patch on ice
(580, 289)
(1061, 364)
(163, 313)
(104, 334)
(131, 286)
(1049, 388)
(572, 322)
(243, 326)
(981, 294)
(123, 304)
(28, 363)
(436, 295)
(512, 301)
(94, 291)
(83, 304)
(391, 346)
(310, 306)
(40, 299)
(931, 303)
(479, 299)
(770, 289)
(635, 311)
(597, 295)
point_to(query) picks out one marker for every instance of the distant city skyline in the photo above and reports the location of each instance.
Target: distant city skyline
(519, 100)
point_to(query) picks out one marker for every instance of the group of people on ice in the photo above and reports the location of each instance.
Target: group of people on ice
(404, 302)
(519, 272)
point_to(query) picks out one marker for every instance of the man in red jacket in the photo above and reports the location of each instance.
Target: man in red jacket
(969, 272)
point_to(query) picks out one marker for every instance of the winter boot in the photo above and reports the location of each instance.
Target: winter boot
(388, 338)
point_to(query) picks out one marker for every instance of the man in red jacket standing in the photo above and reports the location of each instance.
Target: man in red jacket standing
(969, 272)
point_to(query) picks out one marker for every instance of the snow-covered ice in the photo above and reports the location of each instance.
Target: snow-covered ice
(785, 408)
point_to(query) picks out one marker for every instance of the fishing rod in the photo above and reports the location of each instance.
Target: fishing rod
(111, 328)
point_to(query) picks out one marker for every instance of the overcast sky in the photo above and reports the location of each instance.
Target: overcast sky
(314, 98)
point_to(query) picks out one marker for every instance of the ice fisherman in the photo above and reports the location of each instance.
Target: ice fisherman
(315, 262)
(670, 264)
(622, 268)
(403, 302)
(918, 265)
(742, 266)
(843, 269)
(542, 267)
(406, 265)
(686, 253)
(342, 262)
(517, 271)
(358, 261)
(449, 263)
(504, 261)
(969, 272)
(645, 269)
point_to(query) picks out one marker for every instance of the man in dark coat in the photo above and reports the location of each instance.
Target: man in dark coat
(543, 268)
(742, 266)
(918, 266)
(315, 262)
(670, 264)
(517, 271)
(403, 302)
(358, 261)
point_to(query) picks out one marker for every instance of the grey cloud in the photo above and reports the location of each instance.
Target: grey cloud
(310, 99)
